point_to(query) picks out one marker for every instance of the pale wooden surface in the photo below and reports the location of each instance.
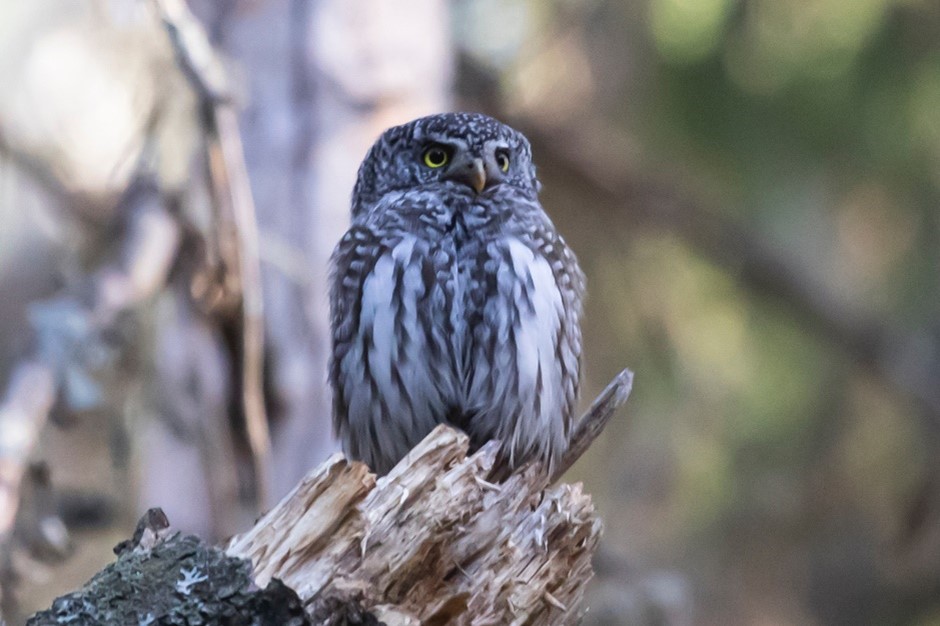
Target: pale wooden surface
(431, 542)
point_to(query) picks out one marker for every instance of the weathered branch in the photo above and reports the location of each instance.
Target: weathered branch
(593, 422)
(236, 224)
(23, 414)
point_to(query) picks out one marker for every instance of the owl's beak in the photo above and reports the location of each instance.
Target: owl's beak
(477, 176)
(470, 171)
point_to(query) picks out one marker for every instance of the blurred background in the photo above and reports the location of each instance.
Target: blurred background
(752, 187)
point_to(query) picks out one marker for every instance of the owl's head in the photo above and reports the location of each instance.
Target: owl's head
(469, 150)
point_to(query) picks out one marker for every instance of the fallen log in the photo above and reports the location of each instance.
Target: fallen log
(433, 542)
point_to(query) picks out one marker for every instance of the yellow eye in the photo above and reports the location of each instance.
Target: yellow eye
(435, 157)
(502, 160)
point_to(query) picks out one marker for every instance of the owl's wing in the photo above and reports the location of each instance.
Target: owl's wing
(388, 366)
(570, 281)
(526, 348)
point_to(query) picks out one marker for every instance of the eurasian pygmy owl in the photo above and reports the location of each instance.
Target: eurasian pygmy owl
(453, 299)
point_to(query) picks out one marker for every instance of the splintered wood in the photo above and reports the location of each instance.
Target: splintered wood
(433, 542)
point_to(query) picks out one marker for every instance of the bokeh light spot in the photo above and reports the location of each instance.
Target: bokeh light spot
(686, 31)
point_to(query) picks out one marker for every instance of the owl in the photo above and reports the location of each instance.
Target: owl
(453, 300)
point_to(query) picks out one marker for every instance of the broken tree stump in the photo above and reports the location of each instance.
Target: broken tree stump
(433, 542)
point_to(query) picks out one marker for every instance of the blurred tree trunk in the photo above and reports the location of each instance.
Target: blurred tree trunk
(319, 81)
(323, 79)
